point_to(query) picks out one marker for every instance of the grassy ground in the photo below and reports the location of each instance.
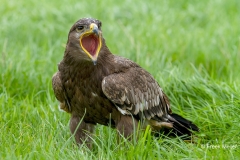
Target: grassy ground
(191, 47)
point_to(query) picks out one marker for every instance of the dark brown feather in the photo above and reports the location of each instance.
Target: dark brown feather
(135, 90)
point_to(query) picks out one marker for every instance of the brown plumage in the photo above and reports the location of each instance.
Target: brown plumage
(95, 86)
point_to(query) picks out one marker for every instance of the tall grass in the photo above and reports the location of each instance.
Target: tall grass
(192, 48)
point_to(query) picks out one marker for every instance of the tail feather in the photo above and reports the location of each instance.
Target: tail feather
(181, 126)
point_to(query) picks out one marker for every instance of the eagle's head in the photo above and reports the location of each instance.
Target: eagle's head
(85, 39)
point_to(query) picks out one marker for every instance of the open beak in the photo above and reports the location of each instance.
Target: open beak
(91, 42)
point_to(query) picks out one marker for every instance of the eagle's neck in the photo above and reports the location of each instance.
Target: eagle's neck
(86, 69)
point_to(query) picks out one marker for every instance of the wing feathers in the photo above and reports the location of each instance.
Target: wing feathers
(57, 87)
(136, 91)
(59, 92)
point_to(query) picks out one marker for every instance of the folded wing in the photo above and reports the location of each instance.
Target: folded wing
(135, 91)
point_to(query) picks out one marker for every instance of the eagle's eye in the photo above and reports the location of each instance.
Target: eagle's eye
(99, 25)
(79, 28)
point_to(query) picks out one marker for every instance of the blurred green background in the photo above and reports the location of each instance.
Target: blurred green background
(191, 47)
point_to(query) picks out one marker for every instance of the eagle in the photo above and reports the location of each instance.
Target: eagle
(98, 87)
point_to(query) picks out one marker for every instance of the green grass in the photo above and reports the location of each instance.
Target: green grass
(191, 47)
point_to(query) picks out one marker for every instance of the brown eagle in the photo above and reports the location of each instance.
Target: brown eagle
(95, 86)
